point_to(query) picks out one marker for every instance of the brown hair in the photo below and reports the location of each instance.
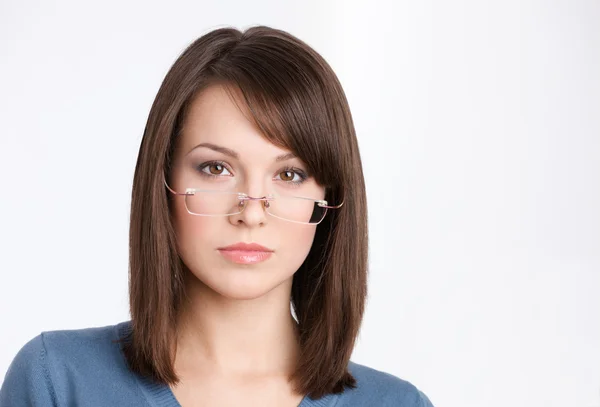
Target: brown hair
(297, 102)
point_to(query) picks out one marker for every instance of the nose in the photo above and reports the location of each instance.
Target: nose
(253, 212)
(253, 208)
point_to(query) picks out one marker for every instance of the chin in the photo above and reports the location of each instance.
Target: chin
(245, 283)
(240, 294)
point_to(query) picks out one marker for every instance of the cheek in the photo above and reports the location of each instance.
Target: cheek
(295, 242)
(197, 239)
(193, 231)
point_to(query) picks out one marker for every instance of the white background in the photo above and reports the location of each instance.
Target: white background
(479, 126)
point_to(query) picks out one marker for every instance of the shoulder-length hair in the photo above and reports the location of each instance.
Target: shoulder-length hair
(297, 102)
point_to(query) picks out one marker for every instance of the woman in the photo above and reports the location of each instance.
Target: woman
(248, 248)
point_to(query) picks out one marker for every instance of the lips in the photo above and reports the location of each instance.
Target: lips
(248, 247)
(246, 253)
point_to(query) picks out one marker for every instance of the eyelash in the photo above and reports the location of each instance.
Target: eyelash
(298, 171)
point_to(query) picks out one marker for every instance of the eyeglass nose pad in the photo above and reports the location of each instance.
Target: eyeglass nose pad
(242, 203)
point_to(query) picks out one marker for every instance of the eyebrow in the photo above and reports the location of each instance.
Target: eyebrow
(231, 153)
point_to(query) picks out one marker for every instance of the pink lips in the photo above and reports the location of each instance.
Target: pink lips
(244, 253)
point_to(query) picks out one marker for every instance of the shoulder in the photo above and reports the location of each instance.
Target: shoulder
(74, 348)
(52, 359)
(375, 387)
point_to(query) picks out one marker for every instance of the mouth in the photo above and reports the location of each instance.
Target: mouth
(244, 253)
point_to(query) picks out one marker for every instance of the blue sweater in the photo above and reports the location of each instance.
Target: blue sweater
(85, 368)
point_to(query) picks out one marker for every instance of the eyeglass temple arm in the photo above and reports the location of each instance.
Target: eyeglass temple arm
(169, 188)
(332, 207)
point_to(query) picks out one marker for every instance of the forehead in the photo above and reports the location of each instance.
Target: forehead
(218, 115)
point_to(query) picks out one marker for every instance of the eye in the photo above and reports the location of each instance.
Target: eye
(287, 175)
(214, 169)
(292, 176)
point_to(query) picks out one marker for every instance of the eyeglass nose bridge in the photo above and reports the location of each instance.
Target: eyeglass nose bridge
(245, 198)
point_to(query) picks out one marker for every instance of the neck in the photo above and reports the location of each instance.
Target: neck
(241, 337)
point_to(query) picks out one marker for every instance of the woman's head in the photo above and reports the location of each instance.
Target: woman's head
(219, 152)
(255, 112)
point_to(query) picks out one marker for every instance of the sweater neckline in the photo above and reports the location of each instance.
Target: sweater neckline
(161, 395)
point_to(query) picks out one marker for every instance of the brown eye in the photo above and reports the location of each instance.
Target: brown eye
(216, 169)
(287, 175)
(292, 176)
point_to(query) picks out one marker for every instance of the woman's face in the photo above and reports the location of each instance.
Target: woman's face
(220, 149)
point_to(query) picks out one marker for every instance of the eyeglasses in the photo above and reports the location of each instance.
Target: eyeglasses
(203, 202)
